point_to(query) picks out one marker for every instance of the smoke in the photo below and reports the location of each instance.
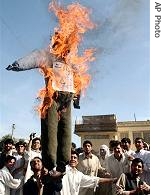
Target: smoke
(121, 23)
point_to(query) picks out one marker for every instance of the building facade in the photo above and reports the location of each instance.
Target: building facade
(101, 129)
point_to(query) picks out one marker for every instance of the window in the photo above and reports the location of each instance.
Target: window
(144, 134)
(123, 134)
(96, 137)
(136, 134)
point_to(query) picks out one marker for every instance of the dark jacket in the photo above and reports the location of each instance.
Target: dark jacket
(51, 186)
(132, 185)
(2, 159)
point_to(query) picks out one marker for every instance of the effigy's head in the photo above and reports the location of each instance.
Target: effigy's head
(59, 45)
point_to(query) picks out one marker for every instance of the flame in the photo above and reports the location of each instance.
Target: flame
(74, 21)
(46, 94)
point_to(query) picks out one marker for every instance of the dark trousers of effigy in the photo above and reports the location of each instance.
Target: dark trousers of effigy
(56, 136)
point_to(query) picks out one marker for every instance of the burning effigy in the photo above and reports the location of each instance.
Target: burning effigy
(66, 78)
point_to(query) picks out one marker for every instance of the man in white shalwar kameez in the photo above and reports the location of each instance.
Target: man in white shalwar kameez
(126, 146)
(19, 167)
(89, 164)
(145, 156)
(7, 181)
(33, 151)
(117, 163)
(74, 179)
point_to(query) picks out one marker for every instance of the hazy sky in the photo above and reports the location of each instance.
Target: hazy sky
(120, 73)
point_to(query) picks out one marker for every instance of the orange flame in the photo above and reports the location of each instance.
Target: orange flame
(46, 94)
(74, 21)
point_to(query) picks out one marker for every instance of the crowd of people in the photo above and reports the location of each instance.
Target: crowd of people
(115, 170)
